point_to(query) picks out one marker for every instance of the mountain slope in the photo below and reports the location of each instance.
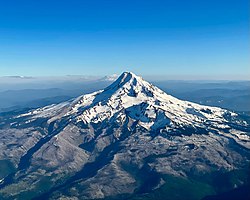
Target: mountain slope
(103, 144)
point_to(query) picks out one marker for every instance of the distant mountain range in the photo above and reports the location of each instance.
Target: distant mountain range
(17, 93)
(130, 140)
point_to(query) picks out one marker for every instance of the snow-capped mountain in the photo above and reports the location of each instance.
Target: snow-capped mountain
(109, 78)
(103, 144)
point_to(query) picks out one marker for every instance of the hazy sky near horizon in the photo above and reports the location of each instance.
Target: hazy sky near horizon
(173, 38)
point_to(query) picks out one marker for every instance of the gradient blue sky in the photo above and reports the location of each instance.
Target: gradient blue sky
(174, 38)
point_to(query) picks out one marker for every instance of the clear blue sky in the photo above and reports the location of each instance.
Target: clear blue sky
(186, 38)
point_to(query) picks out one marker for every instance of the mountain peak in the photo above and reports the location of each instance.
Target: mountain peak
(128, 80)
(111, 77)
(128, 73)
(127, 77)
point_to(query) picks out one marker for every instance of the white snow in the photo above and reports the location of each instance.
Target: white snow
(129, 91)
(132, 96)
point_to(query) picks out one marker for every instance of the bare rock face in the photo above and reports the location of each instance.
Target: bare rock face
(121, 141)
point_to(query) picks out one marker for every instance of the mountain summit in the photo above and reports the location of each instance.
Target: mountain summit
(130, 138)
